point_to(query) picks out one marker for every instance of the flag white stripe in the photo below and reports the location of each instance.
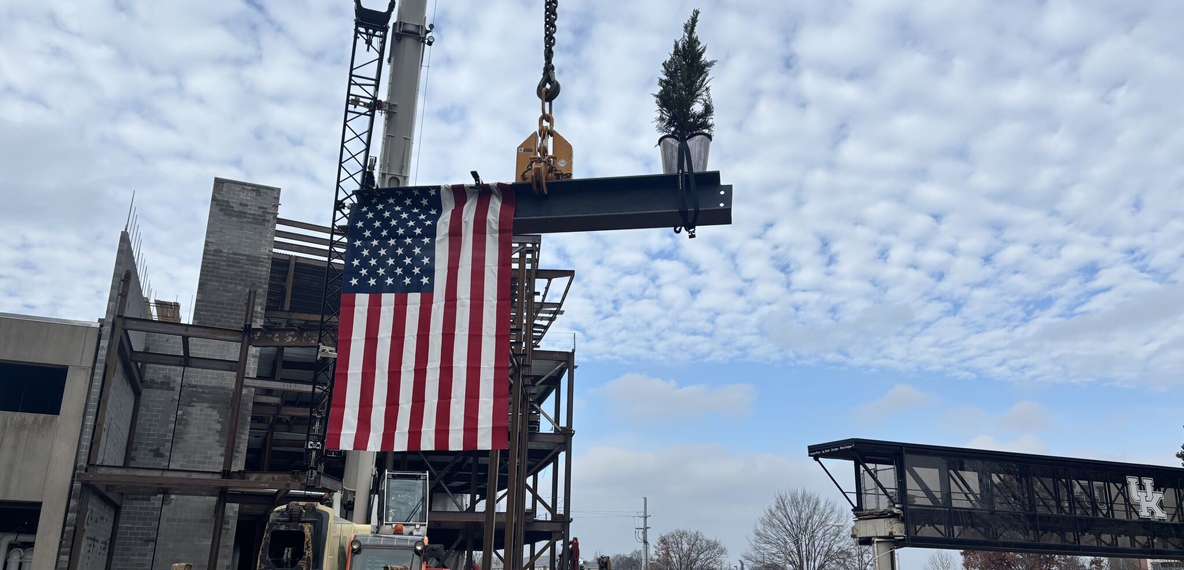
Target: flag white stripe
(382, 361)
(353, 383)
(431, 394)
(407, 372)
(489, 323)
(460, 351)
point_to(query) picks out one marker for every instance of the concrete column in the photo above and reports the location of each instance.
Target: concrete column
(884, 550)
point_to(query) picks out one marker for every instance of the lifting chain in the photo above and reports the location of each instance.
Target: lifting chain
(548, 88)
(543, 163)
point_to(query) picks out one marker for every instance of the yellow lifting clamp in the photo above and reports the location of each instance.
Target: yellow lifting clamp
(540, 160)
(545, 154)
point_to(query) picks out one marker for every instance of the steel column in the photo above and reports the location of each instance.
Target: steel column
(487, 544)
(216, 538)
(236, 397)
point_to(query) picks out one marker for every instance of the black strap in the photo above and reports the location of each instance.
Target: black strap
(687, 170)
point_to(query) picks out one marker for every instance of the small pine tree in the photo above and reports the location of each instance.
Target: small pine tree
(1180, 454)
(683, 97)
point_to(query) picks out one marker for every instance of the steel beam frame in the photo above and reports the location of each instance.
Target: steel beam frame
(111, 481)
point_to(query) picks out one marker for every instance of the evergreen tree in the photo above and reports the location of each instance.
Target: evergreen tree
(683, 97)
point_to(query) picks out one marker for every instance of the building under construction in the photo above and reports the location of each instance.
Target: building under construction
(164, 454)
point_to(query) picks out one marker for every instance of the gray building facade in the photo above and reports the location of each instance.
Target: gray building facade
(45, 370)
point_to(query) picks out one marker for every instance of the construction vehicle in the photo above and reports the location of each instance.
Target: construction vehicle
(306, 535)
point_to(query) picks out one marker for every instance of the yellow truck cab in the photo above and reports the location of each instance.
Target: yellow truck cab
(308, 536)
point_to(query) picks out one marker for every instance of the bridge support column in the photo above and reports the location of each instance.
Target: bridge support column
(884, 550)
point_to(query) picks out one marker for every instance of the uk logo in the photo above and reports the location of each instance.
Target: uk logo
(1150, 501)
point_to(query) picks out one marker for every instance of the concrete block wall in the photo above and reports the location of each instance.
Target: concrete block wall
(124, 261)
(152, 445)
(236, 258)
(96, 536)
(135, 543)
(118, 423)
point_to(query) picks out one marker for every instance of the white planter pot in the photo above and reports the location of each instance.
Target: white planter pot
(699, 144)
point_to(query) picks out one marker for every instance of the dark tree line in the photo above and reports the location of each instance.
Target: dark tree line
(802, 531)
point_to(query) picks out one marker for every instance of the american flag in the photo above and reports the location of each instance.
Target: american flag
(424, 335)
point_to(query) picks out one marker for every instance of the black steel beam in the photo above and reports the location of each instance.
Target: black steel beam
(278, 337)
(616, 203)
(191, 362)
(182, 329)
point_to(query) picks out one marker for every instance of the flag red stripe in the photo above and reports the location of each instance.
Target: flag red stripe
(423, 333)
(341, 373)
(501, 384)
(448, 333)
(369, 355)
(473, 363)
(395, 371)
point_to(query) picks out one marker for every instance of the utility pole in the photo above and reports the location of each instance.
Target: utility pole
(645, 533)
(410, 33)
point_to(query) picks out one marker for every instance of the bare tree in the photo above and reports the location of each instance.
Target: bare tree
(688, 550)
(630, 561)
(979, 560)
(1122, 564)
(858, 558)
(940, 560)
(800, 531)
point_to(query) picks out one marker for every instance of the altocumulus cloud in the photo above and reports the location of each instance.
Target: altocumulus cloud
(644, 399)
(953, 186)
(901, 398)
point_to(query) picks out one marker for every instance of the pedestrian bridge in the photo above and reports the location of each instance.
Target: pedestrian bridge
(957, 498)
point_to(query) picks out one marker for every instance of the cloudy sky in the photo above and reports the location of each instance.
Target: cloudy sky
(956, 221)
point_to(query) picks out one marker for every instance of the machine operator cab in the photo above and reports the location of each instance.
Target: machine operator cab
(310, 536)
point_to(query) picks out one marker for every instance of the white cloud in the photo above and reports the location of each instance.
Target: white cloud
(949, 187)
(1023, 444)
(901, 398)
(1026, 416)
(966, 419)
(643, 399)
(705, 487)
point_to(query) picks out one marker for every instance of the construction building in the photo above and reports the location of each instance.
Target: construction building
(136, 458)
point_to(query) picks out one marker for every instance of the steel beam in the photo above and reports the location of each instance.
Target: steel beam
(186, 482)
(616, 203)
(218, 364)
(280, 337)
(182, 329)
